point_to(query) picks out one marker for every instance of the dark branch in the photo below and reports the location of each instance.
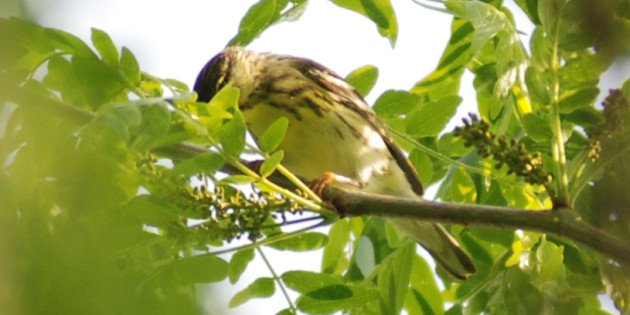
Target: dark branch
(561, 222)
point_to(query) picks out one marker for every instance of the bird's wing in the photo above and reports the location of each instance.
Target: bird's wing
(333, 83)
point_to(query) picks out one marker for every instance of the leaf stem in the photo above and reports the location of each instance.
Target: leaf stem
(300, 185)
(287, 193)
(557, 144)
(277, 279)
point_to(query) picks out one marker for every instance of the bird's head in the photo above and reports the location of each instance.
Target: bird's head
(234, 65)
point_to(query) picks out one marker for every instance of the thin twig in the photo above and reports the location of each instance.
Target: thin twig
(277, 280)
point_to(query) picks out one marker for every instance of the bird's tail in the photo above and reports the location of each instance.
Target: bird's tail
(440, 244)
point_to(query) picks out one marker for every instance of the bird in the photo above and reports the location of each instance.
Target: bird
(332, 132)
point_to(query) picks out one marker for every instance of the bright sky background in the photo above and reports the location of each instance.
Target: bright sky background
(174, 39)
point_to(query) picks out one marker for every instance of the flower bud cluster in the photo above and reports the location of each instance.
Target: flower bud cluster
(512, 153)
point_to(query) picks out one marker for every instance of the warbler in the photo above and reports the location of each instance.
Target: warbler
(331, 130)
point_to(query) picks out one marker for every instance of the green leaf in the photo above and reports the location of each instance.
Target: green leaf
(120, 119)
(446, 79)
(549, 13)
(584, 70)
(431, 118)
(334, 259)
(302, 242)
(271, 163)
(551, 267)
(393, 280)
(487, 20)
(537, 127)
(458, 187)
(273, 136)
(197, 269)
(177, 85)
(205, 163)
(307, 281)
(294, 13)
(374, 13)
(574, 100)
(393, 235)
(151, 211)
(521, 195)
(129, 66)
(130, 115)
(363, 79)
(393, 103)
(380, 12)
(219, 109)
(152, 131)
(364, 255)
(258, 18)
(232, 135)
(239, 263)
(105, 46)
(538, 85)
(260, 288)
(452, 146)
(423, 165)
(288, 311)
(456, 309)
(424, 296)
(530, 7)
(336, 297)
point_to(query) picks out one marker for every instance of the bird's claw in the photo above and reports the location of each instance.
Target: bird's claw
(319, 184)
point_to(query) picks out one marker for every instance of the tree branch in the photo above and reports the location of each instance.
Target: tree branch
(561, 222)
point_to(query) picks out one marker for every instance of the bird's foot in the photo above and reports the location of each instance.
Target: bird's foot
(319, 184)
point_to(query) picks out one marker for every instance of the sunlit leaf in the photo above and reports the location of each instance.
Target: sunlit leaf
(219, 109)
(197, 269)
(431, 118)
(302, 242)
(263, 14)
(260, 288)
(363, 79)
(380, 12)
(239, 262)
(537, 127)
(423, 165)
(574, 100)
(334, 258)
(273, 136)
(521, 196)
(129, 66)
(393, 103)
(458, 187)
(401, 274)
(271, 163)
(364, 255)
(206, 163)
(105, 46)
(424, 295)
(232, 135)
(151, 211)
(336, 297)
(307, 281)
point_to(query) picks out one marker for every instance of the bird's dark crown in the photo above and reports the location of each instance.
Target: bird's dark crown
(212, 77)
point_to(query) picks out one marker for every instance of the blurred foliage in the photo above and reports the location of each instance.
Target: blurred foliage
(101, 212)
